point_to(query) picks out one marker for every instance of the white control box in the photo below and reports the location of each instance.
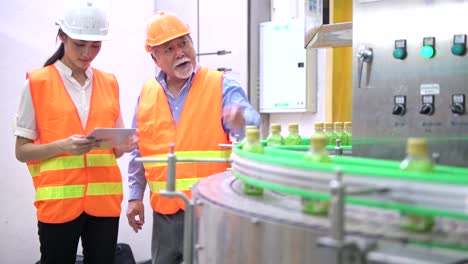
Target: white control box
(283, 67)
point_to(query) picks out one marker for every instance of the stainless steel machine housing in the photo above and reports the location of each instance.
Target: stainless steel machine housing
(410, 95)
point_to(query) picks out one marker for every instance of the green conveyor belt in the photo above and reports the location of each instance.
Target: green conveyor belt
(362, 167)
(366, 167)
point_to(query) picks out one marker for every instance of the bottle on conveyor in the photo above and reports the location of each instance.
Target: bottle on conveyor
(252, 145)
(317, 154)
(293, 138)
(417, 159)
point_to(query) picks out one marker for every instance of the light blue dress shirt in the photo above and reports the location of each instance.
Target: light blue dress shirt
(233, 94)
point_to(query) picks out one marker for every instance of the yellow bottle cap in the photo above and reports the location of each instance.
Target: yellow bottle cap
(253, 134)
(417, 146)
(250, 127)
(318, 126)
(318, 141)
(338, 125)
(328, 125)
(275, 128)
(293, 126)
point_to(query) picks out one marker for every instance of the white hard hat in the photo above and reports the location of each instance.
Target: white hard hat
(84, 20)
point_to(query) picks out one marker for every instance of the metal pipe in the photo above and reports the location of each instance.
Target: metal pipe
(198, 30)
(170, 192)
(171, 166)
(226, 145)
(336, 216)
(367, 190)
(218, 53)
(338, 148)
(188, 223)
(165, 160)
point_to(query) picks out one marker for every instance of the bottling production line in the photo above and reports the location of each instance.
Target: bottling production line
(409, 80)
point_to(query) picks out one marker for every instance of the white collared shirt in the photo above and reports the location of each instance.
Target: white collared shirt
(81, 96)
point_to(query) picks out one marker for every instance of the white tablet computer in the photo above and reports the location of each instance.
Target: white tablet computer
(111, 137)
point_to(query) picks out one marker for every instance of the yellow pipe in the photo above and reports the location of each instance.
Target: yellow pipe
(338, 102)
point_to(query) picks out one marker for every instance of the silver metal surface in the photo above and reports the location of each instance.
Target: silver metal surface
(226, 145)
(201, 160)
(338, 148)
(389, 253)
(344, 248)
(364, 55)
(171, 167)
(344, 152)
(319, 33)
(331, 36)
(378, 133)
(337, 207)
(231, 227)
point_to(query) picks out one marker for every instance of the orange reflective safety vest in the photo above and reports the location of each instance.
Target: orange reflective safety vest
(197, 135)
(67, 185)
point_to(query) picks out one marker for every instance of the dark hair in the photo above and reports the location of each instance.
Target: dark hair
(58, 53)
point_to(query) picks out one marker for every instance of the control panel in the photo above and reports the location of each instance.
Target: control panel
(410, 78)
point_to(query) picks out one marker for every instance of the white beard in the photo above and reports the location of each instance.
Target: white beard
(183, 72)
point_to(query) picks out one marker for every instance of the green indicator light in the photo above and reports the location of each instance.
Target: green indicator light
(399, 53)
(427, 52)
(281, 104)
(458, 49)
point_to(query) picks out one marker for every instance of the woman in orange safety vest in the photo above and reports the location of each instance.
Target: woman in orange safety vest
(78, 184)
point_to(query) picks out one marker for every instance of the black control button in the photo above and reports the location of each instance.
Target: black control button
(457, 109)
(458, 104)
(399, 109)
(399, 105)
(427, 109)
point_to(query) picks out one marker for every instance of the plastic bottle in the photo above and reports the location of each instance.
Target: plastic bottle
(340, 134)
(318, 127)
(318, 154)
(417, 156)
(348, 132)
(275, 137)
(252, 145)
(329, 131)
(245, 132)
(293, 138)
(417, 159)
